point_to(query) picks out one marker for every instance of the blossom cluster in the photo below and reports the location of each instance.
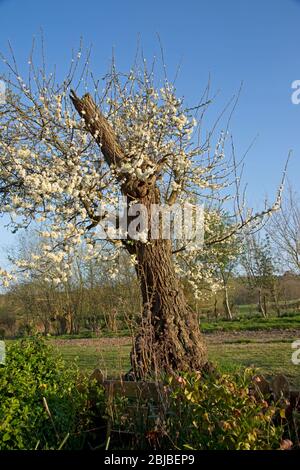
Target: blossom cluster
(53, 173)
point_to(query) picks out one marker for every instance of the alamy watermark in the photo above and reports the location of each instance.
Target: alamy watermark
(2, 92)
(135, 221)
(2, 352)
(295, 97)
(296, 353)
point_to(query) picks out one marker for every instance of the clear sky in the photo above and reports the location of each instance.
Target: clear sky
(254, 41)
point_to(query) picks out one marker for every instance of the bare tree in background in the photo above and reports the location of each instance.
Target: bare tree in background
(284, 230)
(261, 271)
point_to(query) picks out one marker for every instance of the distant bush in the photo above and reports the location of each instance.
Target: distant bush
(7, 321)
(44, 404)
(25, 329)
(220, 413)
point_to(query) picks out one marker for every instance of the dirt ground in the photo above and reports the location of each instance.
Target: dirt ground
(263, 336)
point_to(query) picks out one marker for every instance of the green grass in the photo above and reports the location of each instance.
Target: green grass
(271, 358)
(291, 321)
(104, 333)
(112, 360)
(285, 305)
(111, 352)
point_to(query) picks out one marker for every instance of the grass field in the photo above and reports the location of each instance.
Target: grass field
(269, 351)
(253, 323)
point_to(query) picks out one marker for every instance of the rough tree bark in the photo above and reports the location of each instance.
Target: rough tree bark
(169, 337)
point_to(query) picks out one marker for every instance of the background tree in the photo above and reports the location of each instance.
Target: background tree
(45, 298)
(94, 296)
(284, 230)
(226, 260)
(261, 271)
(210, 270)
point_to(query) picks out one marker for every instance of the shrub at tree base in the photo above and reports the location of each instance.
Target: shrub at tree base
(44, 404)
(220, 412)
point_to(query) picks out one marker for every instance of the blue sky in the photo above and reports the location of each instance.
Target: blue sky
(254, 41)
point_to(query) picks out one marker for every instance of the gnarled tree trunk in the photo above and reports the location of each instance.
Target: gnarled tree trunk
(169, 338)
